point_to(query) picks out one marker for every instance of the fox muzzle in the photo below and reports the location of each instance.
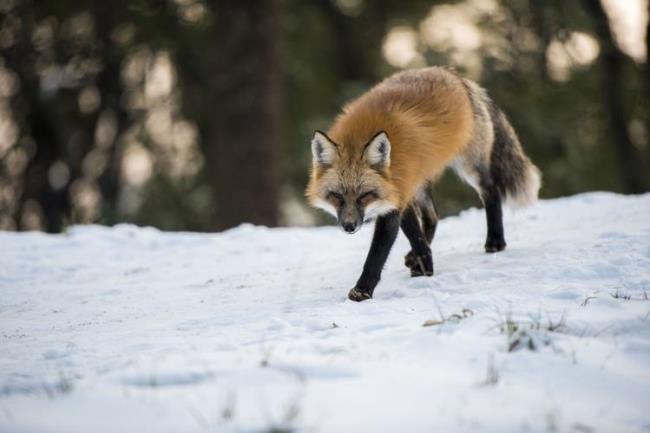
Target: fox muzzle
(350, 219)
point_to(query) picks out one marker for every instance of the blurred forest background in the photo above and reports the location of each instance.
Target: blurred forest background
(197, 114)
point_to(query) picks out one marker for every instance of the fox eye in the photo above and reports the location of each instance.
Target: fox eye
(335, 198)
(367, 197)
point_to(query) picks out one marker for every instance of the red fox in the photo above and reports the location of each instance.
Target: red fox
(388, 146)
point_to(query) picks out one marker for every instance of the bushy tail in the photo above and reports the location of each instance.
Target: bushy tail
(516, 177)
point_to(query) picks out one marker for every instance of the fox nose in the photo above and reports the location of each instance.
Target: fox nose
(349, 227)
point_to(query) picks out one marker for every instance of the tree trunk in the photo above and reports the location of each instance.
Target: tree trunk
(613, 62)
(244, 131)
(110, 88)
(34, 121)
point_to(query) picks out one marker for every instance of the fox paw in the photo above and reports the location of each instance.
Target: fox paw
(493, 245)
(359, 295)
(419, 265)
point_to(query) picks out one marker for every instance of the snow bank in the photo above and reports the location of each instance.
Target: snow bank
(129, 329)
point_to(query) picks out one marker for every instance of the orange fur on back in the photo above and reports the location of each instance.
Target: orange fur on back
(427, 116)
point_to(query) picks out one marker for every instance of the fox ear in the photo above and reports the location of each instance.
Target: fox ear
(377, 152)
(323, 150)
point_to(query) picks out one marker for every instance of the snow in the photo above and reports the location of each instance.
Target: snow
(129, 329)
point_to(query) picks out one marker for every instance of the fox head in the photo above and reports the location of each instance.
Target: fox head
(352, 180)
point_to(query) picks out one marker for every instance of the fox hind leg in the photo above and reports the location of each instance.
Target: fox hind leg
(491, 197)
(419, 224)
(419, 259)
(429, 217)
(479, 177)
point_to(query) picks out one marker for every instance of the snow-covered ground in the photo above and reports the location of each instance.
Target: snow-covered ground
(129, 329)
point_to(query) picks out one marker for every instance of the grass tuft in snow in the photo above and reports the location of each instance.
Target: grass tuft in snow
(587, 299)
(291, 416)
(454, 318)
(531, 333)
(618, 294)
(61, 387)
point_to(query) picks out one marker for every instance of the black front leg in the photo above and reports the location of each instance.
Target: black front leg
(386, 229)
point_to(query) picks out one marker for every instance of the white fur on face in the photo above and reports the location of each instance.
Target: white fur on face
(378, 208)
(326, 206)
